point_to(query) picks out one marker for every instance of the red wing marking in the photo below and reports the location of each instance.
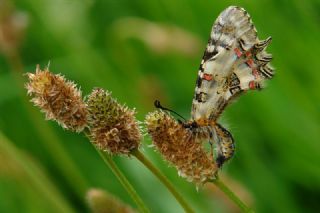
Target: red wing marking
(248, 54)
(250, 63)
(207, 77)
(252, 85)
(255, 73)
(238, 52)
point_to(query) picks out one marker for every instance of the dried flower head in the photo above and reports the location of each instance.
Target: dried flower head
(58, 98)
(102, 202)
(180, 147)
(113, 127)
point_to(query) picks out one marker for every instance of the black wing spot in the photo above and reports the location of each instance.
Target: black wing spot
(208, 55)
(234, 80)
(266, 71)
(235, 90)
(199, 82)
(201, 97)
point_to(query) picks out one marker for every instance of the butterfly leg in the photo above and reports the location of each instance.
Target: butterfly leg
(211, 149)
(211, 132)
(225, 145)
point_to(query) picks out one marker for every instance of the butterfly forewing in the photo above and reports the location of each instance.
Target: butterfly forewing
(234, 61)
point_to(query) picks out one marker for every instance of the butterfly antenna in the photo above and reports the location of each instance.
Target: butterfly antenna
(158, 105)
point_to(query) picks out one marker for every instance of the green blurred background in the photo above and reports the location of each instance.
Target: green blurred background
(147, 50)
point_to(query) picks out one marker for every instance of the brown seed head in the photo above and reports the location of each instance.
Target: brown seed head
(113, 127)
(58, 98)
(180, 147)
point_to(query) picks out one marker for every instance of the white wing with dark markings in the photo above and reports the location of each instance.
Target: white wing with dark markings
(234, 61)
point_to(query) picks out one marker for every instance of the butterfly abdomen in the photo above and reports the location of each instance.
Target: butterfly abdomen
(225, 143)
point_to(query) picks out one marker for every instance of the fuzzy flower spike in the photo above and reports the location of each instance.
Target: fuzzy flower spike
(58, 98)
(113, 127)
(180, 147)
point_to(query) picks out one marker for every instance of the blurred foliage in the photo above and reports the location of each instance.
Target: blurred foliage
(147, 50)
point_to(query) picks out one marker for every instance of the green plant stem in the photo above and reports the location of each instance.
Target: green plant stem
(35, 175)
(163, 179)
(123, 180)
(231, 195)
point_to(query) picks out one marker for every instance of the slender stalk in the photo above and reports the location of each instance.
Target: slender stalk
(123, 180)
(231, 195)
(163, 179)
(35, 176)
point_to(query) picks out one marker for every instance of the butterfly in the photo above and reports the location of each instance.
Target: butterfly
(234, 62)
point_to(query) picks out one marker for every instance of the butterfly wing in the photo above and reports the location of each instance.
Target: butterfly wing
(234, 61)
